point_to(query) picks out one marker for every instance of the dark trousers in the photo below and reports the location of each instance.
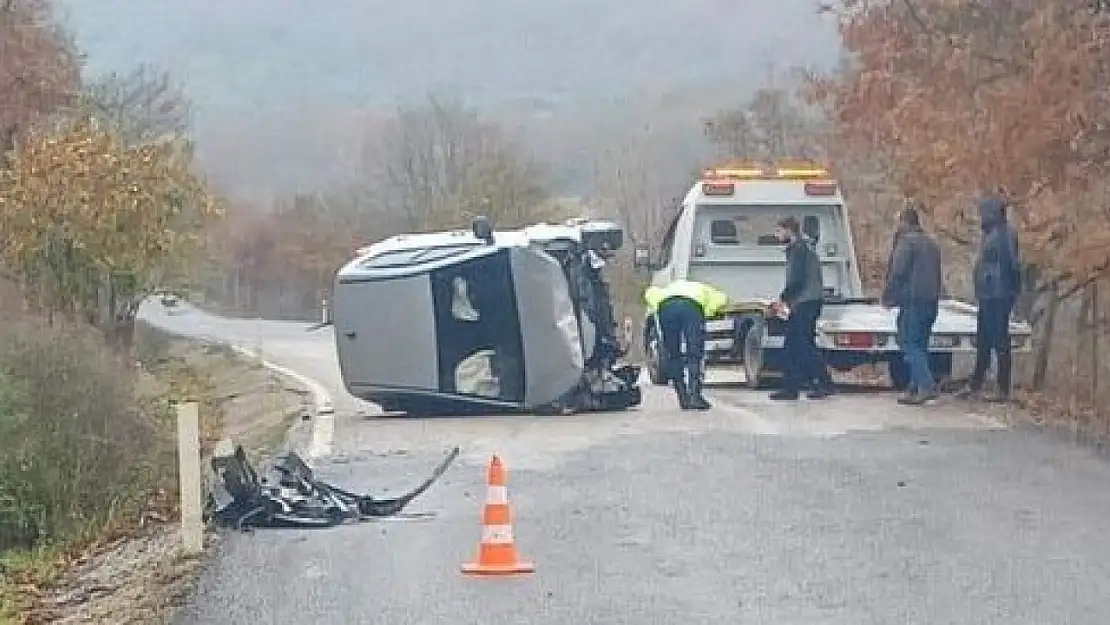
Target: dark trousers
(682, 324)
(992, 334)
(915, 326)
(804, 363)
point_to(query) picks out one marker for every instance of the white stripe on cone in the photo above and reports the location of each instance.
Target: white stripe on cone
(497, 494)
(497, 534)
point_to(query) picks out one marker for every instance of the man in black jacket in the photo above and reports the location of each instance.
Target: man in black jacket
(914, 284)
(802, 294)
(997, 284)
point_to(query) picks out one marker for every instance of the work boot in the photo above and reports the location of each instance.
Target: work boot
(917, 398)
(682, 392)
(784, 395)
(697, 400)
(819, 392)
(912, 399)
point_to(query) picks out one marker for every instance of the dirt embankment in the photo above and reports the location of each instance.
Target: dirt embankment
(140, 576)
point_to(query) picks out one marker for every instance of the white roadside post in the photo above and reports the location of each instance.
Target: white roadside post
(324, 310)
(188, 470)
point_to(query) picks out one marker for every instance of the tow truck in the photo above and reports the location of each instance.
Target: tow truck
(723, 234)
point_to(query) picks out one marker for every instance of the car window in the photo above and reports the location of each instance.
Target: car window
(403, 258)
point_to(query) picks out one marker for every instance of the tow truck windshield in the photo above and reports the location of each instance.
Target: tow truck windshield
(728, 227)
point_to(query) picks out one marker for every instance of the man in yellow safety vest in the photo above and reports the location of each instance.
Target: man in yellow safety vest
(681, 309)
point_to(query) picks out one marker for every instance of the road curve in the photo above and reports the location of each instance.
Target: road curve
(849, 511)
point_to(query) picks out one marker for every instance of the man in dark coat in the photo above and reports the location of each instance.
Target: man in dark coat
(914, 285)
(997, 284)
(802, 294)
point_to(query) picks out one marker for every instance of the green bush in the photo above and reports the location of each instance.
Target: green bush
(77, 453)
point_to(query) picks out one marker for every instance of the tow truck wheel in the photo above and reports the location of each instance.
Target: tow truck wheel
(754, 377)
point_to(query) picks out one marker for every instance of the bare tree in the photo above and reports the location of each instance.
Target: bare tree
(772, 124)
(639, 181)
(141, 106)
(437, 164)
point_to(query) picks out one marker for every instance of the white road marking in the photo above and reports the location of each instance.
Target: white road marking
(323, 423)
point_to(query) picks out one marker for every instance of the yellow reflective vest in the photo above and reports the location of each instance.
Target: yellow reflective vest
(711, 300)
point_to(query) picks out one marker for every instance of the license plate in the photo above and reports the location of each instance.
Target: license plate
(773, 342)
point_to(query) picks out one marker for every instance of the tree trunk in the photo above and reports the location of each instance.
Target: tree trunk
(1095, 329)
(1082, 334)
(1044, 331)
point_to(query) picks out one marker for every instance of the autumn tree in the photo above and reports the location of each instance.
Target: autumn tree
(961, 98)
(39, 70)
(439, 164)
(968, 97)
(282, 260)
(90, 223)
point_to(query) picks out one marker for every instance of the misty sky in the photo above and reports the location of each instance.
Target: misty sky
(288, 80)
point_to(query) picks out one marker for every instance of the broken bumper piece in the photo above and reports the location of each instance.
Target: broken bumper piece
(290, 495)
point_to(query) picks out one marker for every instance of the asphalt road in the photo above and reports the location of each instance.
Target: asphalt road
(849, 511)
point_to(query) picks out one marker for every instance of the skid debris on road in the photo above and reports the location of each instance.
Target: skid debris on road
(292, 496)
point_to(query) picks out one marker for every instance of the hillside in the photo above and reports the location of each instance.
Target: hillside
(281, 84)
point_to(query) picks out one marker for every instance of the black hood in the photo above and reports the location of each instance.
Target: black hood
(992, 213)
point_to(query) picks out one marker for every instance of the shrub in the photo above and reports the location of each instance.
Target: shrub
(78, 454)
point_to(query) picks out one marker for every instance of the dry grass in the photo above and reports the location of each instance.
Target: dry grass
(82, 459)
(116, 559)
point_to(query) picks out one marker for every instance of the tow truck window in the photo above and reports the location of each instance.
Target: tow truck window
(724, 232)
(754, 225)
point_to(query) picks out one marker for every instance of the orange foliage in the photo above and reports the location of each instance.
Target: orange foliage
(960, 97)
(38, 73)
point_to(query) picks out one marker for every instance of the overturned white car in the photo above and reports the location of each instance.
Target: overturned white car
(482, 321)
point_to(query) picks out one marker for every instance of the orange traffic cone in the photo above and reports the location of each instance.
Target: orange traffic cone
(497, 553)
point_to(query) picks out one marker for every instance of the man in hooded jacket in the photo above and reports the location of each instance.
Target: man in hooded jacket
(997, 276)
